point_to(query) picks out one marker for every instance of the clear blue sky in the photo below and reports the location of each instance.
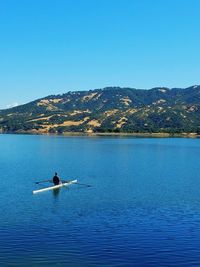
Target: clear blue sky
(53, 46)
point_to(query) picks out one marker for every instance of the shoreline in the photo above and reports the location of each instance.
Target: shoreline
(153, 135)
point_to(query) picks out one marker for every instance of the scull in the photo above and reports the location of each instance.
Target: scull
(54, 187)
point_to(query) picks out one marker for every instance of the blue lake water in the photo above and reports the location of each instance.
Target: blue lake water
(142, 209)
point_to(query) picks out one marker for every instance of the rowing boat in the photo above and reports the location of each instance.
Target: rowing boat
(54, 187)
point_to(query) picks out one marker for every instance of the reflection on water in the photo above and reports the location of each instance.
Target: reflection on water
(56, 192)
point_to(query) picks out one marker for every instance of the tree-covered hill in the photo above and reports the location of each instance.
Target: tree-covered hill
(112, 109)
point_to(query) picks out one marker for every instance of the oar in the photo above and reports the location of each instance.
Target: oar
(43, 181)
(78, 183)
(84, 184)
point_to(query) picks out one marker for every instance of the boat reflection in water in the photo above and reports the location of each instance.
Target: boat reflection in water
(56, 192)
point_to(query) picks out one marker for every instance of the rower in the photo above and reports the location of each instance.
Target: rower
(56, 179)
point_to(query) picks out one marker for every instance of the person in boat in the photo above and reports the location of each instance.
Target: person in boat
(56, 179)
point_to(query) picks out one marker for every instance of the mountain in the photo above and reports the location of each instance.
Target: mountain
(112, 109)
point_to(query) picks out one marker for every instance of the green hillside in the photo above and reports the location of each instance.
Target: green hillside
(112, 109)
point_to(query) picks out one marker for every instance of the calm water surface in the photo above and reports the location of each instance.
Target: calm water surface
(142, 209)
